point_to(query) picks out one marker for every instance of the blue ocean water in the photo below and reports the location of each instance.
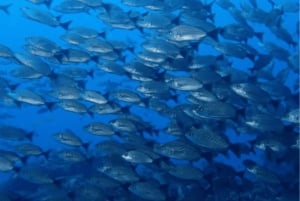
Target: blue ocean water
(15, 27)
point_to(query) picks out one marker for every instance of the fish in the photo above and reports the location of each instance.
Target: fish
(94, 97)
(211, 110)
(178, 150)
(111, 67)
(147, 191)
(237, 50)
(77, 73)
(264, 123)
(251, 92)
(116, 17)
(283, 34)
(12, 156)
(108, 108)
(29, 97)
(181, 33)
(128, 96)
(72, 38)
(186, 172)
(184, 84)
(42, 46)
(277, 51)
(71, 156)
(6, 165)
(68, 137)
(155, 88)
(90, 192)
(239, 32)
(28, 149)
(206, 76)
(46, 2)
(262, 174)
(292, 116)
(134, 3)
(65, 92)
(15, 133)
(124, 125)
(74, 106)
(6, 52)
(100, 129)
(68, 6)
(154, 21)
(121, 173)
(137, 156)
(163, 47)
(86, 32)
(207, 139)
(5, 8)
(33, 62)
(35, 175)
(44, 17)
(97, 46)
(92, 3)
(73, 55)
(202, 95)
(110, 147)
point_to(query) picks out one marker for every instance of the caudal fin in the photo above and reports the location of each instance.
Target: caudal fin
(4, 8)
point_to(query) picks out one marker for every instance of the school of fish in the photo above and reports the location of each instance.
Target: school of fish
(163, 92)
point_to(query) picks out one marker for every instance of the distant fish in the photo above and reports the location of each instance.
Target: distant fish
(69, 6)
(41, 46)
(74, 106)
(94, 97)
(34, 62)
(211, 110)
(86, 32)
(261, 174)
(46, 2)
(6, 52)
(14, 133)
(69, 138)
(178, 150)
(6, 165)
(28, 149)
(147, 191)
(5, 8)
(186, 172)
(35, 175)
(184, 84)
(119, 172)
(239, 32)
(71, 156)
(99, 129)
(182, 33)
(44, 17)
(292, 116)
(124, 125)
(251, 92)
(207, 139)
(29, 97)
(92, 3)
(137, 156)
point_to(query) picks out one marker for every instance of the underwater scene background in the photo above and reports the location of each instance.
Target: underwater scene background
(177, 100)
